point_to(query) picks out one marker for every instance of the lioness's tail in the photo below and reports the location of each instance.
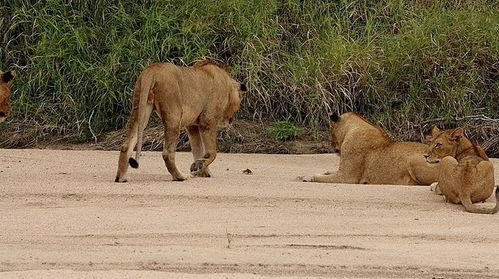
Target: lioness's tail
(146, 85)
(470, 207)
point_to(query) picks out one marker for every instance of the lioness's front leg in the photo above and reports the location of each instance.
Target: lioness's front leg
(197, 149)
(209, 139)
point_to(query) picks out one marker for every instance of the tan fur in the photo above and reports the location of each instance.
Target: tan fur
(369, 156)
(6, 80)
(199, 98)
(466, 174)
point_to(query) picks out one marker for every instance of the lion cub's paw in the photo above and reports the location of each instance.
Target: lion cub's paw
(435, 188)
(304, 178)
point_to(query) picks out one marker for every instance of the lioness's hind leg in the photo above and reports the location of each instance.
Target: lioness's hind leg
(125, 152)
(197, 149)
(421, 172)
(172, 132)
(130, 142)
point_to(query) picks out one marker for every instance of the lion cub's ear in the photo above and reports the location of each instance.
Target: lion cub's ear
(334, 117)
(428, 139)
(435, 130)
(457, 133)
(243, 87)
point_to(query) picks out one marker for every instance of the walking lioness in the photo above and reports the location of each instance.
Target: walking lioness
(466, 174)
(369, 156)
(5, 85)
(199, 98)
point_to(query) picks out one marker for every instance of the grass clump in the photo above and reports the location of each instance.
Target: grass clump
(285, 130)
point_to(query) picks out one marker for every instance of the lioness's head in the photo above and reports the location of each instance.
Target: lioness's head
(5, 84)
(442, 144)
(235, 98)
(335, 136)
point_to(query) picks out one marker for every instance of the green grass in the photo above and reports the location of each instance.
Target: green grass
(77, 62)
(285, 130)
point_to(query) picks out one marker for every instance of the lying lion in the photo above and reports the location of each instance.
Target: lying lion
(369, 156)
(466, 174)
(5, 85)
(199, 98)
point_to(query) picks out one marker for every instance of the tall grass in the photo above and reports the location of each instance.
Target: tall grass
(398, 62)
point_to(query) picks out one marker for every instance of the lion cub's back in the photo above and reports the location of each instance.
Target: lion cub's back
(479, 178)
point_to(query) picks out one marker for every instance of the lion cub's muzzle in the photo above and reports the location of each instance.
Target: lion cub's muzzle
(431, 160)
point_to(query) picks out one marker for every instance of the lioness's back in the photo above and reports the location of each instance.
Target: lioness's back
(200, 77)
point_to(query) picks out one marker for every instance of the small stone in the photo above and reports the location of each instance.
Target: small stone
(247, 171)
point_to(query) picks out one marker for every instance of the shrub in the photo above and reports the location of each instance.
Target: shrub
(285, 130)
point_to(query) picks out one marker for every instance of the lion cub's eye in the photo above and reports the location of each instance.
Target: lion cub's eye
(438, 145)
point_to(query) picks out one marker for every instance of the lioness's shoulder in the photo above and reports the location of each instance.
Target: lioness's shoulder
(210, 64)
(212, 68)
(354, 120)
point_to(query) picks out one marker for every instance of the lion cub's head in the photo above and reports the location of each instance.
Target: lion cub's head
(5, 84)
(443, 143)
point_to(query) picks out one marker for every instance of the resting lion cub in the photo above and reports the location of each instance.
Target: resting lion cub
(199, 98)
(466, 174)
(369, 156)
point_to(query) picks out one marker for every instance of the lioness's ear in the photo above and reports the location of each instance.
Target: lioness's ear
(243, 87)
(457, 133)
(435, 130)
(334, 117)
(8, 76)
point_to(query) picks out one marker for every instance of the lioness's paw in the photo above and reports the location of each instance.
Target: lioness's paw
(179, 178)
(196, 166)
(304, 178)
(120, 180)
(201, 174)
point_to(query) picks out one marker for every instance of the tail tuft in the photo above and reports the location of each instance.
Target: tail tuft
(134, 164)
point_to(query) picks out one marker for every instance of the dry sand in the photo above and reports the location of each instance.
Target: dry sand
(62, 216)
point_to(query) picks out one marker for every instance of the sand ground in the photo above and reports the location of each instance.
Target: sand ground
(62, 216)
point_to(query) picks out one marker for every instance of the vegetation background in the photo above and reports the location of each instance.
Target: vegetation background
(403, 64)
